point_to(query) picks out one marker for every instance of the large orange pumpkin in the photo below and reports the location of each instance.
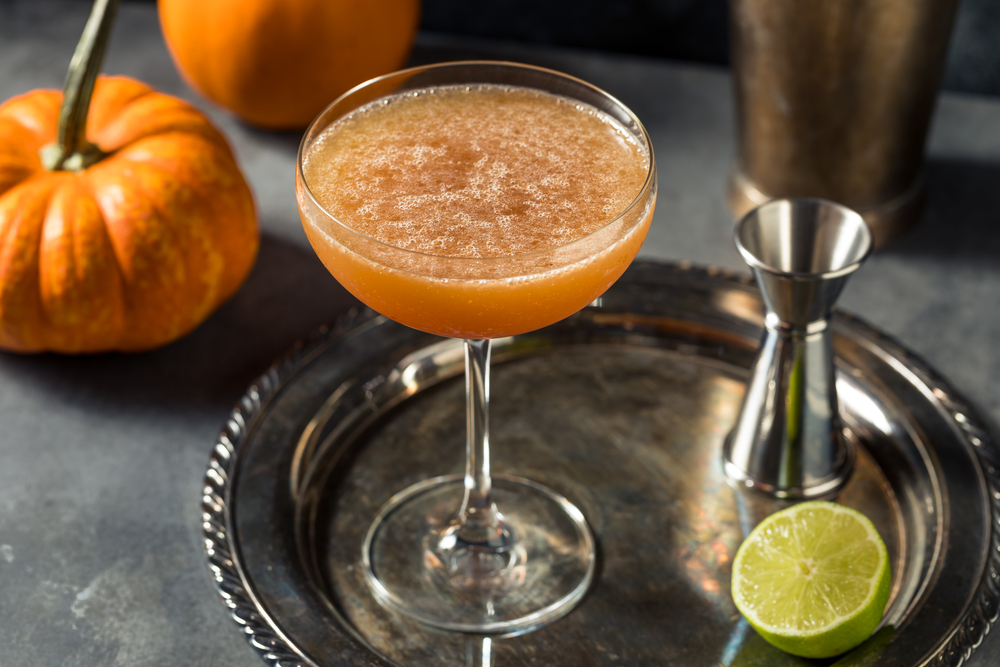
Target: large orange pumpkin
(132, 251)
(278, 63)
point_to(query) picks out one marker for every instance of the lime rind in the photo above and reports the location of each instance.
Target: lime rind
(813, 579)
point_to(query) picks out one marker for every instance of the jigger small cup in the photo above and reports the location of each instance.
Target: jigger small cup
(788, 440)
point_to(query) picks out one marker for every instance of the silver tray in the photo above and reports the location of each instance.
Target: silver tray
(622, 408)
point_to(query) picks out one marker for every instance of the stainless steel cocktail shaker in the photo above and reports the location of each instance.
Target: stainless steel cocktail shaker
(833, 100)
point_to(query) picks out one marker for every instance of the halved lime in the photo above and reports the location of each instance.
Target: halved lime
(813, 579)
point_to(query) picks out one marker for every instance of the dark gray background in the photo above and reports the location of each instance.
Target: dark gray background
(693, 30)
(686, 30)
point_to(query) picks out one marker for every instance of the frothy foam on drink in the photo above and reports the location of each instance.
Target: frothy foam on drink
(475, 172)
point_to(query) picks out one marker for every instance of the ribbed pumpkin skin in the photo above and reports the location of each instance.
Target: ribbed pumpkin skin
(278, 63)
(136, 250)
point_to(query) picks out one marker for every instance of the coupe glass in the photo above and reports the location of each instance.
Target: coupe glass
(478, 553)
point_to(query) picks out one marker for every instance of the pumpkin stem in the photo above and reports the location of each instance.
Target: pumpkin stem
(72, 151)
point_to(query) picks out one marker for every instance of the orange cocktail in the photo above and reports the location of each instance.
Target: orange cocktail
(477, 200)
(476, 212)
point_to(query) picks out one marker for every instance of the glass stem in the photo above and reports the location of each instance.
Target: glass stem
(480, 521)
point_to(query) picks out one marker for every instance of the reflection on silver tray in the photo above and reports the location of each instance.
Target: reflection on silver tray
(622, 409)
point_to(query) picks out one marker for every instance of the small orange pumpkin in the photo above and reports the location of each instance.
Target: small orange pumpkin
(278, 63)
(128, 241)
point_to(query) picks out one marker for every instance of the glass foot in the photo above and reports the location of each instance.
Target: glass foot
(530, 572)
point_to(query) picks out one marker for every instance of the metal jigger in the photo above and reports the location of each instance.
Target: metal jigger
(788, 440)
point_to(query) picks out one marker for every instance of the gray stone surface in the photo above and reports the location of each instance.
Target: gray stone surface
(101, 457)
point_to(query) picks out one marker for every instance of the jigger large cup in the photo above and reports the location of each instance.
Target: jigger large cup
(788, 439)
